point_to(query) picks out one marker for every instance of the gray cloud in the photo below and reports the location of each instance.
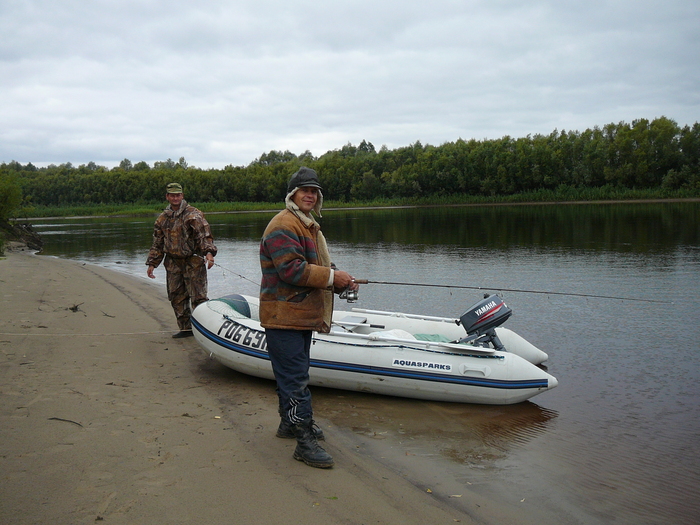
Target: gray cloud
(222, 82)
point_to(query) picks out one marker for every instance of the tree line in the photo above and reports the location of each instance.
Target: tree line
(641, 155)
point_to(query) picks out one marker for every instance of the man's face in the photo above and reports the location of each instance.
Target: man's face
(306, 198)
(174, 199)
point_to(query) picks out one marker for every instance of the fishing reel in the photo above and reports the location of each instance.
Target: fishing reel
(349, 295)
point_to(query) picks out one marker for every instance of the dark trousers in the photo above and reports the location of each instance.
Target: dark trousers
(289, 353)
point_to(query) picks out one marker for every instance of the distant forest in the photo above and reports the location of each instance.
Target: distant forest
(642, 155)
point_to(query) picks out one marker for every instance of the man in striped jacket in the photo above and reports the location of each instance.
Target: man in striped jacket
(296, 298)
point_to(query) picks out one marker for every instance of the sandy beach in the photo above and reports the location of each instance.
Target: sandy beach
(106, 418)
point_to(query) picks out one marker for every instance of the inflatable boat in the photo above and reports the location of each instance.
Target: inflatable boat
(472, 359)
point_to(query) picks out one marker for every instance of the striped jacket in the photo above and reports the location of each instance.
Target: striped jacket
(294, 287)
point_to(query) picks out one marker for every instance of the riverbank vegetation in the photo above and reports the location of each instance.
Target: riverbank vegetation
(561, 194)
(642, 160)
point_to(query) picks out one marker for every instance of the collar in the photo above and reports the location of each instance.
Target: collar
(180, 210)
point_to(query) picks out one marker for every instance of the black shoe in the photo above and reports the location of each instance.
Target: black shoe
(308, 450)
(285, 430)
(183, 333)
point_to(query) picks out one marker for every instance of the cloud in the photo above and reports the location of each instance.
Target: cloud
(223, 82)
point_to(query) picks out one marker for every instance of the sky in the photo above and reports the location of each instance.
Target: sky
(222, 82)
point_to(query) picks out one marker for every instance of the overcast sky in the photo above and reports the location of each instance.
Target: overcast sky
(221, 82)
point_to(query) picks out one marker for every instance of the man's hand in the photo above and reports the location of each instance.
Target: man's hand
(150, 272)
(210, 261)
(344, 280)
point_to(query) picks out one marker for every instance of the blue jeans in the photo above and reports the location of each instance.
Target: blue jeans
(289, 353)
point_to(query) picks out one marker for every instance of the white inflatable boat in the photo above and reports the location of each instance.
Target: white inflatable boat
(467, 360)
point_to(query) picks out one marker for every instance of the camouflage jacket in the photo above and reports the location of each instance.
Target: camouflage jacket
(180, 233)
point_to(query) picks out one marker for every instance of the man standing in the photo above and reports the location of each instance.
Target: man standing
(182, 235)
(296, 298)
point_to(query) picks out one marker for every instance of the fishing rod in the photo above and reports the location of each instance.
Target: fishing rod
(353, 296)
(367, 281)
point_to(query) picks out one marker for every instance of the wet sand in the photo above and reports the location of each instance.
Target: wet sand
(106, 418)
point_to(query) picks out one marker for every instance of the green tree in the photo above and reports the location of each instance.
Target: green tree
(643, 154)
(10, 193)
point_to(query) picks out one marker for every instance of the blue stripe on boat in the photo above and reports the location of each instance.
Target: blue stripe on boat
(378, 371)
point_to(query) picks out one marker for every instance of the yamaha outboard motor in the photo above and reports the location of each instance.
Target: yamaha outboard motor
(481, 320)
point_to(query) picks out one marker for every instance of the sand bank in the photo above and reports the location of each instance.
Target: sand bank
(105, 418)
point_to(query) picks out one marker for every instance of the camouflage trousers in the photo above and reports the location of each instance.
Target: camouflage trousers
(186, 282)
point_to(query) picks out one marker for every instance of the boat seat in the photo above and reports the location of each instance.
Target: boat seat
(351, 322)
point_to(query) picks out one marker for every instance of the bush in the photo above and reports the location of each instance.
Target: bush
(10, 195)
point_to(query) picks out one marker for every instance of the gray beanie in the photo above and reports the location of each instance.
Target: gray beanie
(304, 177)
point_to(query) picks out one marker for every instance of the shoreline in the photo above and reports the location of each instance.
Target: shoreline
(107, 418)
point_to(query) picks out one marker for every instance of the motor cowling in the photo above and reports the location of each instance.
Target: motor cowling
(485, 315)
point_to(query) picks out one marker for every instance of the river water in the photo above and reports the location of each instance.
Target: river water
(615, 442)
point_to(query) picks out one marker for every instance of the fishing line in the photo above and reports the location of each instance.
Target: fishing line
(73, 334)
(231, 271)
(515, 290)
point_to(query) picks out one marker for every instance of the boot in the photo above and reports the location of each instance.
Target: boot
(308, 450)
(285, 430)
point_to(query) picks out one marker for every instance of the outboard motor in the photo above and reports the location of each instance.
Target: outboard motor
(481, 320)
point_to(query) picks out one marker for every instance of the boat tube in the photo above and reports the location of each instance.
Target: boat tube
(472, 359)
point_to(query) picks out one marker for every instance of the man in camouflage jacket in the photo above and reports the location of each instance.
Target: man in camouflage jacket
(183, 237)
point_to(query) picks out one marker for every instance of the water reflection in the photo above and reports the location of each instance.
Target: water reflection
(601, 227)
(631, 227)
(96, 238)
(470, 435)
